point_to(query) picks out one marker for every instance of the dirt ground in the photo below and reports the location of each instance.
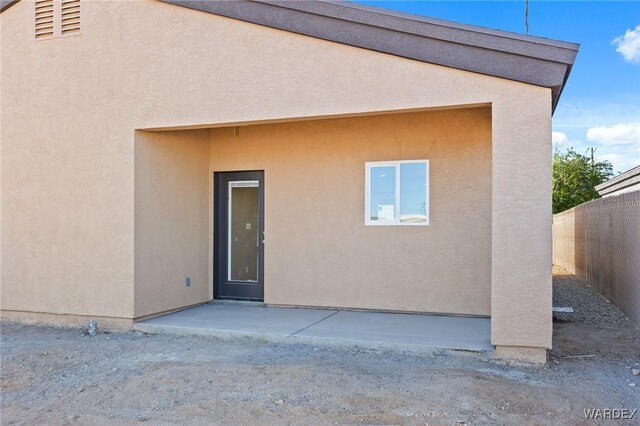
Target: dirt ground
(62, 376)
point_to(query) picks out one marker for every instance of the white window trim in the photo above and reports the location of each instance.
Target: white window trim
(367, 192)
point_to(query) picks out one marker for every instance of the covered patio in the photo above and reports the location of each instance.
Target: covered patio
(332, 327)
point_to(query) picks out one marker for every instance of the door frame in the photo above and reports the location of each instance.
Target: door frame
(220, 231)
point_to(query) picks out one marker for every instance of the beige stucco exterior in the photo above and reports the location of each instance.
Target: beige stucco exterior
(318, 250)
(83, 170)
(172, 220)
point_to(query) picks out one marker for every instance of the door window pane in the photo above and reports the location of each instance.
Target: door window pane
(413, 193)
(244, 212)
(383, 194)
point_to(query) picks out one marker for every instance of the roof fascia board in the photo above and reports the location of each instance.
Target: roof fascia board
(623, 180)
(6, 4)
(536, 47)
(452, 24)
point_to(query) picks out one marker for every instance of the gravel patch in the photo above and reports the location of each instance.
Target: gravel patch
(59, 376)
(589, 306)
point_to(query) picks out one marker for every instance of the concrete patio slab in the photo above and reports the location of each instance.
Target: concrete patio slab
(241, 319)
(437, 331)
(327, 327)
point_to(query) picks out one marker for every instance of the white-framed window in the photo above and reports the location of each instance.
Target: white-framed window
(397, 193)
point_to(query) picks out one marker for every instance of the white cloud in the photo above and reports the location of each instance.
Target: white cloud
(589, 112)
(628, 45)
(622, 157)
(618, 134)
(616, 143)
(559, 138)
(611, 125)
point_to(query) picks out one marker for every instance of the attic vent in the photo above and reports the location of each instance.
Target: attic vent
(70, 17)
(44, 18)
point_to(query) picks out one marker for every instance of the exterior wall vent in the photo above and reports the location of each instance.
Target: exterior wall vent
(44, 19)
(70, 17)
(55, 18)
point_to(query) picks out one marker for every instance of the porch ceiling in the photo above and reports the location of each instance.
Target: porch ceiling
(308, 118)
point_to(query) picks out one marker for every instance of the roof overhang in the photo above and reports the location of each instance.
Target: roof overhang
(533, 60)
(624, 180)
(6, 4)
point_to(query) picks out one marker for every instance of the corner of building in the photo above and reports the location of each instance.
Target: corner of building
(522, 354)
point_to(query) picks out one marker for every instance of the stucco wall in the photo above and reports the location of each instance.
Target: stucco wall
(521, 223)
(172, 188)
(318, 252)
(70, 107)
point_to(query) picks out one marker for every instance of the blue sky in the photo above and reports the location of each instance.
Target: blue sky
(600, 106)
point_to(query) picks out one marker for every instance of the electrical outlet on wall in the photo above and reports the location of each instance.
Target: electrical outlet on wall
(188, 281)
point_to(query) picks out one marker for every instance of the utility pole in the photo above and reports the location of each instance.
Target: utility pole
(526, 15)
(593, 162)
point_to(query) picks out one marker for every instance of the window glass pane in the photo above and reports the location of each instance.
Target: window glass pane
(383, 193)
(244, 214)
(413, 193)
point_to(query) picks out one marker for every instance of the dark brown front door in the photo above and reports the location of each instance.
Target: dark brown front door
(239, 235)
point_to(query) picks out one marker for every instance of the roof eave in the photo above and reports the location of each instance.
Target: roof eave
(6, 4)
(623, 180)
